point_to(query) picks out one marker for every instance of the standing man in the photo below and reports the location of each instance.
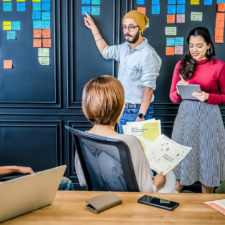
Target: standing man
(139, 66)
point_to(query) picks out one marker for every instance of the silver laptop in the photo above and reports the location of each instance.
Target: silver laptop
(25, 194)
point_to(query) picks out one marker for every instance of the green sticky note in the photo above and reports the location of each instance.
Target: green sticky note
(43, 52)
(44, 61)
(171, 31)
(163, 201)
(196, 16)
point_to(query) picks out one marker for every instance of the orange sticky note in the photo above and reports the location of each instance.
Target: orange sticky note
(37, 33)
(141, 9)
(169, 50)
(219, 19)
(46, 33)
(37, 43)
(47, 43)
(219, 39)
(221, 7)
(170, 18)
(7, 64)
(219, 32)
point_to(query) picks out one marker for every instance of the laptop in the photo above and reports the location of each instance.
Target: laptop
(28, 193)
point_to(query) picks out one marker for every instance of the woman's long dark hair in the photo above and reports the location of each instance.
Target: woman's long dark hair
(187, 67)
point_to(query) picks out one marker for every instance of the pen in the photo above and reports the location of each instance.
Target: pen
(180, 76)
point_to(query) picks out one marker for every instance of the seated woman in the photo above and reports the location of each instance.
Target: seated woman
(103, 104)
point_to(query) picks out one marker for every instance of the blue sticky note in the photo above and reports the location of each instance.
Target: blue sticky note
(140, 2)
(155, 2)
(11, 35)
(180, 9)
(95, 10)
(96, 2)
(36, 15)
(171, 2)
(37, 24)
(155, 9)
(220, 1)
(207, 2)
(179, 41)
(46, 6)
(36, 6)
(171, 9)
(170, 41)
(15, 25)
(87, 9)
(21, 6)
(86, 2)
(7, 6)
(45, 1)
(45, 24)
(180, 2)
(45, 15)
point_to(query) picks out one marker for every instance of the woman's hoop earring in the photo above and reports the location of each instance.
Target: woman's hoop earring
(208, 52)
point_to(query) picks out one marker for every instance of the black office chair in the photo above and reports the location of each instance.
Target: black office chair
(106, 162)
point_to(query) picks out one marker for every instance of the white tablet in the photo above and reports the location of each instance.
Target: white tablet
(186, 90)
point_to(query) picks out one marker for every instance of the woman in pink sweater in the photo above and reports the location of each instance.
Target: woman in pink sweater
(198, 123)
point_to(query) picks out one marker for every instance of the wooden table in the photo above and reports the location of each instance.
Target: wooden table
(69, 208)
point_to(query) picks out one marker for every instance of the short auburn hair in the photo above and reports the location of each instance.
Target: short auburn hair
(103, 100)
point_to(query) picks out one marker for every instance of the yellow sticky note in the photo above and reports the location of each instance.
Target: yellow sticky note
(6, 0)
(7, 25)
(36, 0)
(194, 2)
(21, 0)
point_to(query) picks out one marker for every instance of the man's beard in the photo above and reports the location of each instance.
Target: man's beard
(135, 38)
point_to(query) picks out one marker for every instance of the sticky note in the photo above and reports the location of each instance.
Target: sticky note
(219, 39)
(45, 0)
(155, 9)
(11, 35)
(179, 50)
(95, 10)
(218, 32)
(37, 24)
(15, 25)
(21, 0)
(171, 31)
(45, 24)
(170, 41)
(46, 33)
(46, 6)
(45, 15)
(21, 6)
(196, 16)
(7, 64)
(169, 50)
(6, 0)
(220, 1)
(180, 9)
(36, 0)
(36, 6)
(140, 2)
(220, 20)
(180, 2)
(180, 18)
(171, 2)
(37, 43)
(207, 2)
(170, 18)
(43, 52)
(195, 2)
(36, 15)
(37, 33)
(44, 61)
(87, 9)
(221, 7)
(86, 2)
(47, 43)
(7, 6)
(155, 2)
(179, 41)
(95, 2)
(141, 9)
(171, 9)
(7, 25)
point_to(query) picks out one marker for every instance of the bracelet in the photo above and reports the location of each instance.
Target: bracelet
(99, 39)
(95, 34)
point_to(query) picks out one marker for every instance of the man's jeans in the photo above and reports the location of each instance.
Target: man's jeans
(130, 115)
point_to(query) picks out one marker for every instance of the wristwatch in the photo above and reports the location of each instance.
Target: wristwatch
(141, 115)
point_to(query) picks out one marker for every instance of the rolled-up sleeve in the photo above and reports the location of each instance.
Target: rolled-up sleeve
(150, 71)
(112, 52)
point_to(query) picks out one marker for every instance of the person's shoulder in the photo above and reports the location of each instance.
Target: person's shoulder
(218, 62)
(129, 139)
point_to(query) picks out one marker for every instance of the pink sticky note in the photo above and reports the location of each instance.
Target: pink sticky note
(180, 18)
(179, 50)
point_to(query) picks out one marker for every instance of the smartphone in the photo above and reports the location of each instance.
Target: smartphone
(158, 202)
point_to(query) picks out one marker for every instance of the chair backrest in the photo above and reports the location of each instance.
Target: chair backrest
(106, 162)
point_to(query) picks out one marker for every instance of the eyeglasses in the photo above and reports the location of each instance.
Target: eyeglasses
(130, 28)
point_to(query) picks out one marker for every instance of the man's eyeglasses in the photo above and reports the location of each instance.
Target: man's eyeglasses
(130, 28)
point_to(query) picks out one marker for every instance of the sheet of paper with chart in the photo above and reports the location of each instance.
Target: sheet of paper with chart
(165, 154)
